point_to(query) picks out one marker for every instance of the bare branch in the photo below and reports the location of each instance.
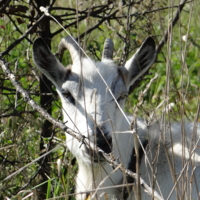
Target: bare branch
(16, 42)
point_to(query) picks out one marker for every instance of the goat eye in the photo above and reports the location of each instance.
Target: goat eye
(66, 94)
(69, 97)
(122, 96)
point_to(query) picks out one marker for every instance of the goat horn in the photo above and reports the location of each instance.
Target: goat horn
(108, 49)
(70, 44)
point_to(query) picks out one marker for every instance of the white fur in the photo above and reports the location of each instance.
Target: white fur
(174, 143)
(168, 147)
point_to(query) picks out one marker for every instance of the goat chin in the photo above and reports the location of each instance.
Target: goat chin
(97, 180)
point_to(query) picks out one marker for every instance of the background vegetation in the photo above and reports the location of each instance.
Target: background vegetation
(26, 136)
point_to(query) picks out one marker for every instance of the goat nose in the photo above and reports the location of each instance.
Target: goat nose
(103, 140)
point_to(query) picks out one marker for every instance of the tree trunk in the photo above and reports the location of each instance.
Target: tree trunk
(46, 103)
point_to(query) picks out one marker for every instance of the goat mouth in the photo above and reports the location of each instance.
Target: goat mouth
(94, 156)
(105, 145)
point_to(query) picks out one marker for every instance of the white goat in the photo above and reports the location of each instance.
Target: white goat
(171, 155)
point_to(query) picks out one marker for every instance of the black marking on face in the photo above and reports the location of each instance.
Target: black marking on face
(132, 167)
(132, 163)
(103, 141)
(69, 97)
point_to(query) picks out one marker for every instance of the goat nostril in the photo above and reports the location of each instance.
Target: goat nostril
(105, 144)
(103, 140)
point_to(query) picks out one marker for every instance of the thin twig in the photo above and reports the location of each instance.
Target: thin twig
(16, 42)
(172, 24)
(4, 6)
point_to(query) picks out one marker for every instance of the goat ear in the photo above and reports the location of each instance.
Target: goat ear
(141, 61)
(47, 63)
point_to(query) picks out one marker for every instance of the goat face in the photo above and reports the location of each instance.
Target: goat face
(88, 106)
